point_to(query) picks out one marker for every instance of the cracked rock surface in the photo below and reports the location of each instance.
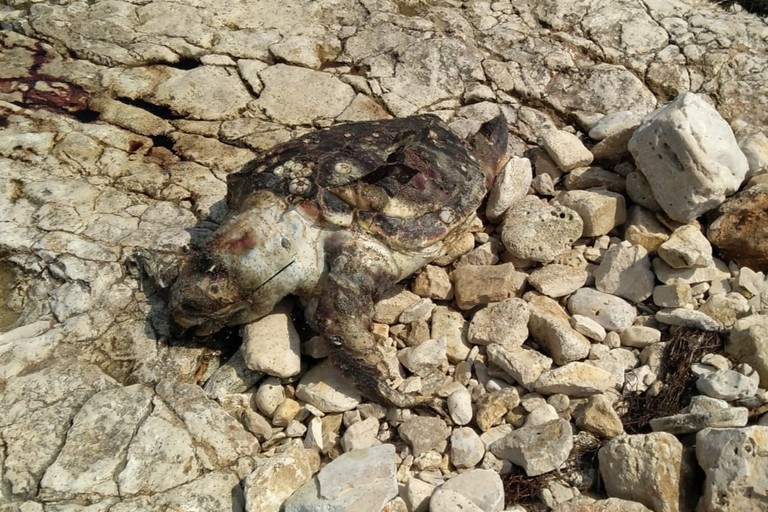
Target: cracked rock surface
(119, 123)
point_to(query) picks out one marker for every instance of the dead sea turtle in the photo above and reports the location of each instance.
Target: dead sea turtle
(340, 215)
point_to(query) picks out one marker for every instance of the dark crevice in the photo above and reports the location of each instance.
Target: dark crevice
(162, 141)
(185, 63)
(158, 110)
(86, 115)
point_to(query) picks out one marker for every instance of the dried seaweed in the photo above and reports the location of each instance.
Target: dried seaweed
(685, 347)
(579, 471)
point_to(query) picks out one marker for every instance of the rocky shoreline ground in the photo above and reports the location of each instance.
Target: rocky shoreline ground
(557, 322)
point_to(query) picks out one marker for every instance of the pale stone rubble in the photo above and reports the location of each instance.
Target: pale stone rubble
(629, 208)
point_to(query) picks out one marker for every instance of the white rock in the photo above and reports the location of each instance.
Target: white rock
(361, 435)
(575, 379)
(460, 406)
(686, 247)
(269, 395)
(736, 467)
(690, 157)
(726, 385)
(565, 149)
(600, 210)
(325, 388)
(534, 230)
(272, 345)
(613, 313)
(466, 448)
(625, 270)
(482, 487)
(544, 413)
(688, 318)
(693, 275)
(588, 327)
(521, 363)
(421, 310)
(510, 186)
(450, 326)
(537, 449)
(389, 308)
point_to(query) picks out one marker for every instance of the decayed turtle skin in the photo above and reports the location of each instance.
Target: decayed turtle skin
(340, 215)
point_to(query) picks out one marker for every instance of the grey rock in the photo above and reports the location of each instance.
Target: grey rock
(640, 336)
(748, 343)
(521, 363)
(231, 377)
(424, 434)
(687, 317)
(536, 231)
(86, 465)
(689, 140)
(537, 449)
(362, 478)
(575, 379)
(625, 270)
(735, 465)
(726, 385)
(504, 322)
(323, 96)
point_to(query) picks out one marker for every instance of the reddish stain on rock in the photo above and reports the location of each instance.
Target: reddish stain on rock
(740, 230)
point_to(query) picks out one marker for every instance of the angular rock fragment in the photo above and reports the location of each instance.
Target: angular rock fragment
(537, 449)
(648, 468)
(600, 210)
(690, 157)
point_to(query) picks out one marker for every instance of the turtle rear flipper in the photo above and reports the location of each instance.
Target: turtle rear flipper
(489, 145)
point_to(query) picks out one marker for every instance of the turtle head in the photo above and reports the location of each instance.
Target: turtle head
(489, 145)
(251, 262)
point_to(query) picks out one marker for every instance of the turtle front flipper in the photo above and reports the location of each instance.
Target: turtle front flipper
(357, 273)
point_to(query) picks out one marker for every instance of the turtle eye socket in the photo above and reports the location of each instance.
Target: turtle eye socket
(214, 289)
